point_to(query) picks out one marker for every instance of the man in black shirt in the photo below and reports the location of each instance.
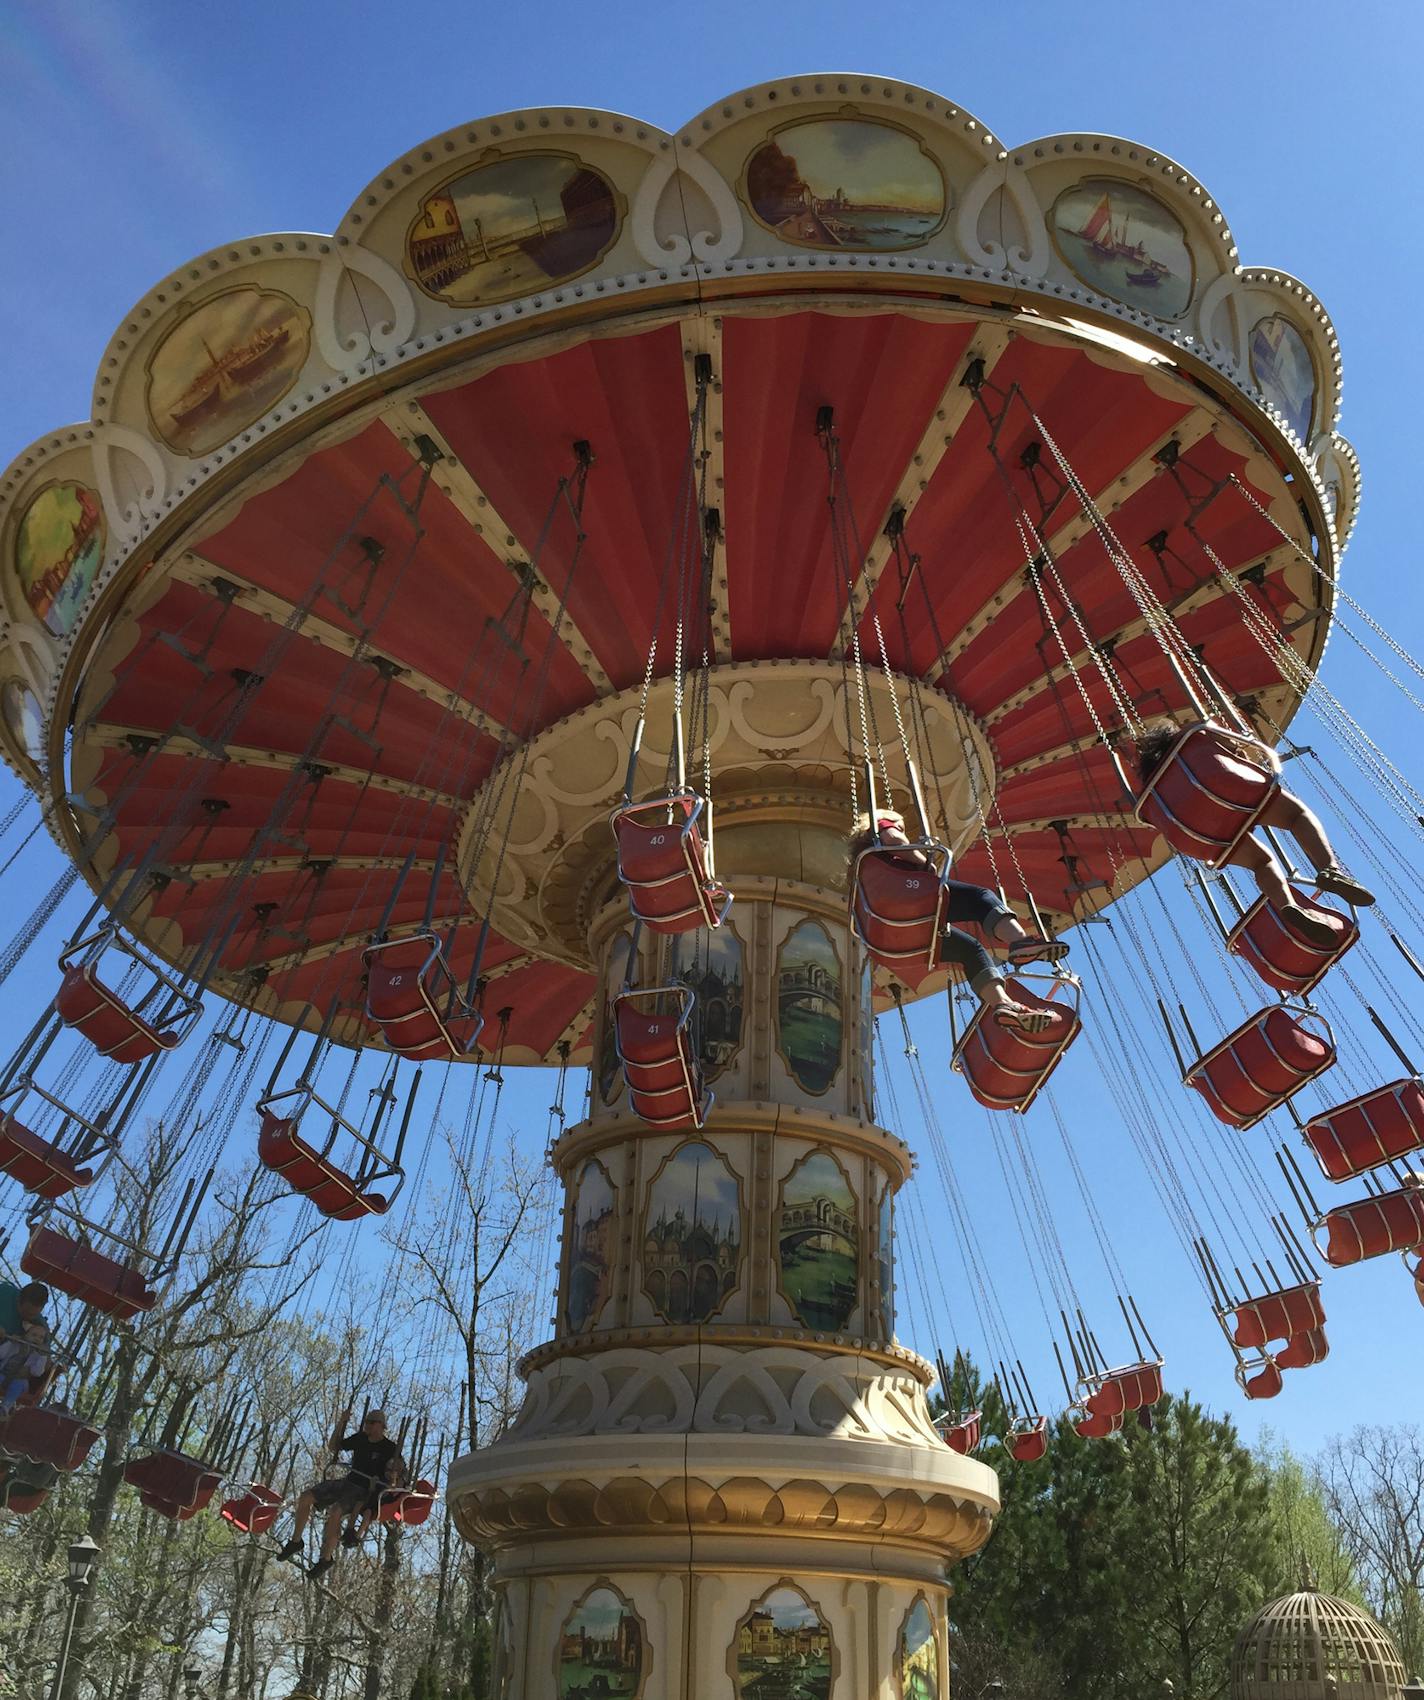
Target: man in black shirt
(375, 1462)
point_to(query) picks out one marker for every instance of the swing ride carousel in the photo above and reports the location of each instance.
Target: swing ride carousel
(473, 636)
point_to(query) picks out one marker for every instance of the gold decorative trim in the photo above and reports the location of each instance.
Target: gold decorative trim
(644, 1228)
(664, 1336)
(645, 1647)
(783, 1584)
(579, 1509)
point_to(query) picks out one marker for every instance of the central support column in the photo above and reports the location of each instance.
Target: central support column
(724, 1474)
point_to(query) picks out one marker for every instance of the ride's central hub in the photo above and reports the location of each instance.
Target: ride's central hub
(773, 735)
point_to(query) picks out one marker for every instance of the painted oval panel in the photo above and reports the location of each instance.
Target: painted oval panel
(600, 1648)
(1281, 365)
(818, 1242)
(591, 1227)
(1123, 243)
(782, 1647)
(919, 1654)
(716, 979)
(846, 183)
(808, 1007)
(692, 1235)
(23, 719)
(58, 552)
(225, 364)
(510, 227)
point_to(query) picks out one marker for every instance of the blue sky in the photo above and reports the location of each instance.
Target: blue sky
(139, 135)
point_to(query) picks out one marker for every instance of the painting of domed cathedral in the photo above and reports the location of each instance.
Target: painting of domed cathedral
(511, 226)
(601, 1648)
(783, 1649)
(58, 551)
(716, 979)
(919, 1655)
(808, 1007)
(590, 1247)
(818, 1242)
(846, 183)
(692, 1236)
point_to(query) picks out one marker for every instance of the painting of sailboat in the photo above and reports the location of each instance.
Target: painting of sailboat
(509, 227)
(1281, 365)
(1123, 243)
(846, 183)
(224, 365)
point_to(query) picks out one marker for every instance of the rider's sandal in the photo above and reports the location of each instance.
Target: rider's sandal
(1022, 1020)
(1032, 949)
(1338, 883)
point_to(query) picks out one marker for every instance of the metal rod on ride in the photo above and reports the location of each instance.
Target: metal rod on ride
(434, 889)
(1204, 886)
(394, 898)
(405, 1120)
(1296, 1181)
(1407, 954)
(286, 1050)
(1146, 1332)
(1391, 1041)
(634, 751)
(1172, 1036)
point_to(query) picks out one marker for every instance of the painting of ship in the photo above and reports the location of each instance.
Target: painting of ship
(846, 183)
(1125, 244)
(511, 226)
(224, 365)
(58, 551)
(1281, 365)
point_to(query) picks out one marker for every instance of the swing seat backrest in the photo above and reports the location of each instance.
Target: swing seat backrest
(1006, 1068)
(281, 1148)
(1263, 1063)
(1264, 1382)
(1285, 961)
(85, 1003)
(1278, 1316)
(1125, 1390)
(1095, 1427)
(85, 1274)
(663, 863)
(37, 1164)
(47, 1436)
(172, 1483)
(1370, 1227)
(1205, 797)
(407, 1506)
(253, 1511)
(963, 1435)
(661, 1070)
(1304, 1349)
(412, 996)
(897, 903)
(1027, 1441)
(1364, 1132)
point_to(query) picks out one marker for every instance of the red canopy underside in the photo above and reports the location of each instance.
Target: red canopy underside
(393, 764)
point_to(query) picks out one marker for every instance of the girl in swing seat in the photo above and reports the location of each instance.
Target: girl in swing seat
(1286, 813)
(964, 902)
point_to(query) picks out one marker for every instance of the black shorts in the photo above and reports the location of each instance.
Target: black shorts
(348, 1493)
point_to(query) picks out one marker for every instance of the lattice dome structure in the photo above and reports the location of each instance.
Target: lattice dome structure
(1308, 1646)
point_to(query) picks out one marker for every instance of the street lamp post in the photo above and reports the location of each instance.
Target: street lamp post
(192, 1676)
(83, 1557)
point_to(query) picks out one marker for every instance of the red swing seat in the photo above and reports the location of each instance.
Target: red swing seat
(1203, 797)
(1263, 1063)
(415, 1000)
(172, 1484)
(1303, 1350)
(1007, 1068)
(22, 1501)
(113, 1027)
(337, 1195)
(1095, 1427)
(1416, 1272)
(253, 1511)
(1121, 1391)
(1370, 1227)
(1265, 1383)
(1027, 1439)
(1277, 1316)
(663, 863)
(408, 1506)
(1364, 1132)
(656, 1050)
(1283, 959)
(86, 1274)
(37, 1164)
(964, 1434)
(45, 1435)
(897, 903)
